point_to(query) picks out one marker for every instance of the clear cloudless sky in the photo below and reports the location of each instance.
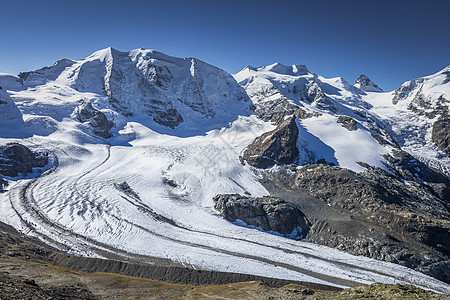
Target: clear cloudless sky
(389, 41)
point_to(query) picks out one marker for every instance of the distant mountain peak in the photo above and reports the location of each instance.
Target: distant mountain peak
(286, 70)
(365, 84)
(300, 69)
(248, 67)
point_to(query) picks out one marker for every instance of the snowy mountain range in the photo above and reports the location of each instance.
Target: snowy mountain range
(142, 146)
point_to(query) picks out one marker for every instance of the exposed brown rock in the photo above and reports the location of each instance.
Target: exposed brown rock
(278, 146)
(400, 217)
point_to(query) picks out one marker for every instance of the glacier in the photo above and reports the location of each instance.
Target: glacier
(178, 128)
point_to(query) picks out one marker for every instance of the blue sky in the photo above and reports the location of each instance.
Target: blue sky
(390, 41)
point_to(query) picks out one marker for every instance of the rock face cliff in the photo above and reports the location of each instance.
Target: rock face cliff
(278, 90)
(171, 90)
(441, 133)
(275, 147)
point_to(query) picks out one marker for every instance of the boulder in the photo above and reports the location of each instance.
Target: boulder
(267, 213)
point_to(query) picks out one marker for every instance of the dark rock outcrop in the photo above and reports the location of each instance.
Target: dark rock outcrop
(276, 111)
(18, 159)
(365, 84)
(2, 101)
(400, 217)
(270, 214)
(321, 100)
(381, 140)
(428, 106)
(404, 166)
(347, 122)
(441, 133)
(278, 146)
(86, 113)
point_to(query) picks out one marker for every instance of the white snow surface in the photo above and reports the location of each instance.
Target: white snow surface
(79, 206)
(412, 130)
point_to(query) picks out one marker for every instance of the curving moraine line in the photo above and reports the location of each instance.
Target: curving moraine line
(24, 204)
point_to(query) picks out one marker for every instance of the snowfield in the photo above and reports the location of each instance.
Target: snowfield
(146, 193)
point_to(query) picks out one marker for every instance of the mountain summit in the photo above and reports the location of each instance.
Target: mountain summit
(172, 91)
(365, 84)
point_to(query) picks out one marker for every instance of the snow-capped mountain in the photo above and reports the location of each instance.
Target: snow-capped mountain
(139, 144)
(140, 84)
(324, 106)
(382, 121)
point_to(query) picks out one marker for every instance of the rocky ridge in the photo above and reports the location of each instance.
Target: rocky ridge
(373, 213)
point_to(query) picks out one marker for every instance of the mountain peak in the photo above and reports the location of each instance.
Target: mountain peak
(300, 69)
(365, 84)
(286, 70)
(103, 54)
(248, 67)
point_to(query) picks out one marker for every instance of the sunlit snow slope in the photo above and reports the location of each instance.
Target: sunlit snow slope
(178, 127)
